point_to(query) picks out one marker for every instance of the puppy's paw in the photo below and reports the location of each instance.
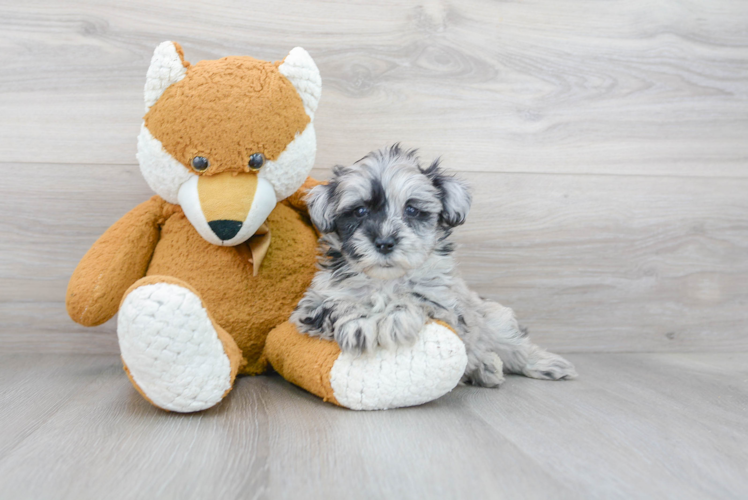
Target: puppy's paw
(488, 372)
(400, 326)
(545, 365)
(312, 317)
(356, 335)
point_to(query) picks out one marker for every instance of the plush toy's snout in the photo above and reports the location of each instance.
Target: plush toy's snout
(225, 200)
(227, 208)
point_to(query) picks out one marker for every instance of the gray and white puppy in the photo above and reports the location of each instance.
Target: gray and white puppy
(387, 267)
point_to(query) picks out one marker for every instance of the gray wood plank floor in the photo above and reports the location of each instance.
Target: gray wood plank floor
(632, 426)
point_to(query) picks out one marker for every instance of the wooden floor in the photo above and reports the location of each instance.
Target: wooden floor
(632, 426)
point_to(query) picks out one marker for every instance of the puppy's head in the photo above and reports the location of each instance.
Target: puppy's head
(387, 212)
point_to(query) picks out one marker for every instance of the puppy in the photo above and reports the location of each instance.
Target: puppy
(387, 268)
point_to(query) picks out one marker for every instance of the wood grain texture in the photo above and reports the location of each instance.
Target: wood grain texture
(540, 86)
(632, 426)
(614, 263)
(589, 263)
(606, 142)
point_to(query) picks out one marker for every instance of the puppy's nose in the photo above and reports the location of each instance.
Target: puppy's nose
(385, 245)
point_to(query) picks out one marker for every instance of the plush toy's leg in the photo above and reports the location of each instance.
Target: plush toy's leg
(175, 355)
(384, 379)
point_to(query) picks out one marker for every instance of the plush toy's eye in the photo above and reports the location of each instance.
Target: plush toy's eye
(200, 163)
(412, 211)
(361, 212)
(256, 161)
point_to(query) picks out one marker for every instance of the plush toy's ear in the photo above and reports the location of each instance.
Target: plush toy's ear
(167, 67)
(455, 195)
(299, 68)
(320, 202)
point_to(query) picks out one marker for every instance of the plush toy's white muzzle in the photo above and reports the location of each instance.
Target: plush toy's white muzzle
(227, 208)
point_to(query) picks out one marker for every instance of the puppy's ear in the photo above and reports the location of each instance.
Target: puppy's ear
(319, 200)
(455, 195)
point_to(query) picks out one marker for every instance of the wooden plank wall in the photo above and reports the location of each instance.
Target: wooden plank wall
(607, 143)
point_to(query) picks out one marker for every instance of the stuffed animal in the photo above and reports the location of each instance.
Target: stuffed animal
(206, 273)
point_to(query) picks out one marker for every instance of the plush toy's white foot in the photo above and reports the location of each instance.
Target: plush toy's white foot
(171, 349)
(407, 376)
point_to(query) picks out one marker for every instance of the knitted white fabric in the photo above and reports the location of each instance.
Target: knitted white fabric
(299, 68)
(166, 68)
(171, 348)
(407, 376)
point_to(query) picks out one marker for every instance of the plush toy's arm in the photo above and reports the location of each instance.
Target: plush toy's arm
(406, 376)
(296, 200)
(117, 260)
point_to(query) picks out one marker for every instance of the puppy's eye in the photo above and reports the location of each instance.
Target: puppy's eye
(200, 163)
(412, 211)
(361, 212)
(256, 161)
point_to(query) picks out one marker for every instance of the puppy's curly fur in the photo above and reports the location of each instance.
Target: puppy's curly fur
(387, 267)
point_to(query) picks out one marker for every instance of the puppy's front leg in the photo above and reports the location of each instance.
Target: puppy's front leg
(314, 315)
(400, 324)
(350, 324)
(356, 331)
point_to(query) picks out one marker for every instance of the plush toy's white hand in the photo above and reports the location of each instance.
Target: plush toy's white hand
(382, 379)
(407, 376)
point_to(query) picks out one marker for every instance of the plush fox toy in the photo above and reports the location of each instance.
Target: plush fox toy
(206, 273)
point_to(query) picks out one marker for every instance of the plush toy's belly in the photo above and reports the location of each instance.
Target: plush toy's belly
(246, 306)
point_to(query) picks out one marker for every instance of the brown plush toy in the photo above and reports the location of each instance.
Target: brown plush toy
(206, 273)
